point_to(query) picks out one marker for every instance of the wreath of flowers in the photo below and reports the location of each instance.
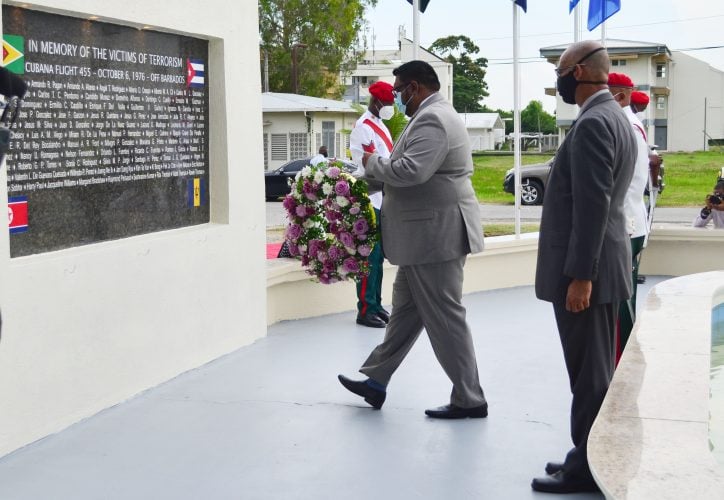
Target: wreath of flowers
(332, 227)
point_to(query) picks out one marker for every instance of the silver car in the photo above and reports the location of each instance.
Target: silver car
(534, 179)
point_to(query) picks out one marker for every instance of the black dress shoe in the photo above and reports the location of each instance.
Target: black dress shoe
(561, 482)
(371, 320)
(553, 467)
(373, 396)
(452, 411)
(384, 315)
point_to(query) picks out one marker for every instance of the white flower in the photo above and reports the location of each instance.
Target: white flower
(306, 171)
(308, 223)
(351, 250)
(327, 188)
(302, 248)
(342, 201)
(318, 176)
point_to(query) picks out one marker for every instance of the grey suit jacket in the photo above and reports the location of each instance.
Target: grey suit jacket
(430, 212)
(583, 228)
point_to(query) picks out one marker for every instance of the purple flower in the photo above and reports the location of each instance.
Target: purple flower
(301, 211)
(315, 246)
(329, 266)
(293, 249)
(311, 211)
(360, 226)
(294, 231)
(333, 172)
(305, 260)
(346, 239)
(335, 253)
(354, 210)
(350, 265)
(309, 190)
(289, 204)
(341, 188)
(364, 250)
(324, 279)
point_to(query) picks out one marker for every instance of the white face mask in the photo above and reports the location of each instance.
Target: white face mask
(386, 112)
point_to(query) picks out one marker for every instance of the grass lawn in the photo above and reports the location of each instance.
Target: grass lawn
(689, 177)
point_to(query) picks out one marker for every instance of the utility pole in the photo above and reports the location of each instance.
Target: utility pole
(705, 134)
(266, 70)
(295, 76)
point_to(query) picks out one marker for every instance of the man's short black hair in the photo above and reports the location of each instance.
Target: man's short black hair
(719, 184)
(419, 71)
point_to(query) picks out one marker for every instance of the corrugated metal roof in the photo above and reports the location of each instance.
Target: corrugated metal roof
(272, 102)
(480, 120)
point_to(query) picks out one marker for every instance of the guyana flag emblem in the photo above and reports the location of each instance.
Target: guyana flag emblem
(14, 53)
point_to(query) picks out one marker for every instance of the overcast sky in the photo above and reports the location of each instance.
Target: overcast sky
(680, 24)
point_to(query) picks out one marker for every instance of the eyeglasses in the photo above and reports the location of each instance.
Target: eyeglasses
(399, 90)
(562, 71)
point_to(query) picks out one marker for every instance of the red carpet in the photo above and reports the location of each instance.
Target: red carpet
(272, 250)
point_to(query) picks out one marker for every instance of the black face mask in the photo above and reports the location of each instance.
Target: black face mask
(567, 83)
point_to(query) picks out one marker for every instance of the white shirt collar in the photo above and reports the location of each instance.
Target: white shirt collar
(587, 102)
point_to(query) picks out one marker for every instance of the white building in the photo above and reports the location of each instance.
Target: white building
(295, 126)
(378, 65)
(687, 95)
(486, 130)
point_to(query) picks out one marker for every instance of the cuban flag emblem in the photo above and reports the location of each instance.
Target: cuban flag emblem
(194, 73)
(18, 214)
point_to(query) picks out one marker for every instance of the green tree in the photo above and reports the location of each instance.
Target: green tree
(535, 119)
(469, 87)
(328, 28)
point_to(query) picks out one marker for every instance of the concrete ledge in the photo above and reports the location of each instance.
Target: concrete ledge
(291, 294)
(651, 437)
(506, 262)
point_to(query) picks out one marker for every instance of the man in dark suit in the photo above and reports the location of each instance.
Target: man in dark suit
(584, 255)
(430, 222)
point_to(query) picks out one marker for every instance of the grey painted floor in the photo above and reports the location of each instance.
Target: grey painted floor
(270, 421)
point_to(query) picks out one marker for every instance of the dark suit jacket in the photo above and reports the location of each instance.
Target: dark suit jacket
(583, 230)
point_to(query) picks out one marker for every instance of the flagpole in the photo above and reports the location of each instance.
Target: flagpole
(516, 116)
(415, 28)
(577, 23)
(603, 33)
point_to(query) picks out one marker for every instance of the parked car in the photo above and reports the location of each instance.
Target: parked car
(533, 183)
(276, 182)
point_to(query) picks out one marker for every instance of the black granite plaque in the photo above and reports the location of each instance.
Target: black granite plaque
(112, 140)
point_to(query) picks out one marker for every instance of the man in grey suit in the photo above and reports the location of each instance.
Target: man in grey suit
(430, 222)
(584, 255)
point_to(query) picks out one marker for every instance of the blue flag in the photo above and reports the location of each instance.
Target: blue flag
(423, 4)
(523, 4)
(600, 10)
(572, 5)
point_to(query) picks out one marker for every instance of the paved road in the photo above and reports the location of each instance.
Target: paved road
(275, 216)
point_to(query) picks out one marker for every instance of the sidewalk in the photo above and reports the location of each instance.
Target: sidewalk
(270, 421)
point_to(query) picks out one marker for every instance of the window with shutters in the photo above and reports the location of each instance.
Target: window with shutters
(328, 138)
(279, 147)
(298, 146)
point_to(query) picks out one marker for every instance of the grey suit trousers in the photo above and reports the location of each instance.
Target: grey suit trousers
(589, 348)
(430, 296)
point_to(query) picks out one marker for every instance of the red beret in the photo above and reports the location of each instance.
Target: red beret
(638, 97)
(382, 91)
(620, 80)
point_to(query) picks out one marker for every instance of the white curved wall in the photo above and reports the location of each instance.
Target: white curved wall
(86, 328)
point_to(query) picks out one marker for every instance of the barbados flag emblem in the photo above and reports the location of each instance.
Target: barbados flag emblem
(195, 73)
(14, 53)
(18, 214)
(195, 190)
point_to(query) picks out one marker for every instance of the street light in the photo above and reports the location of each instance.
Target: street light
(295, 78)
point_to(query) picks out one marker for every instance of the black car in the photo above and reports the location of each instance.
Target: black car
(276, 182)
(533, 183)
